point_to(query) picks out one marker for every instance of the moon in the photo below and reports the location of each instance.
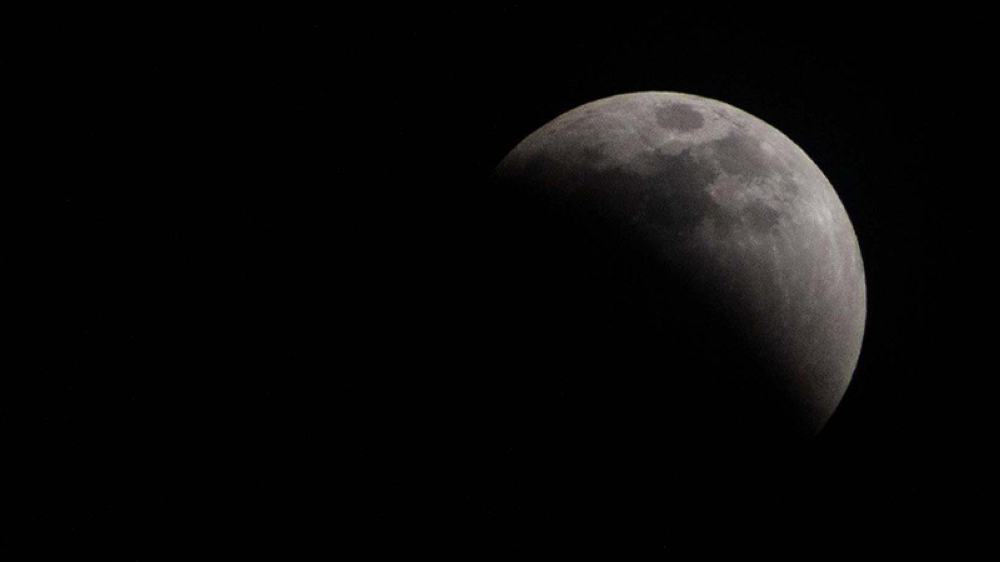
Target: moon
(730, 249)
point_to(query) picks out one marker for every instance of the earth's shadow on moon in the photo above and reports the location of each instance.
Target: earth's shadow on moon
(598, 367)
(605, 348)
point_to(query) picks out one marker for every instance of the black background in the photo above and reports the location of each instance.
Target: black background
(256, 268)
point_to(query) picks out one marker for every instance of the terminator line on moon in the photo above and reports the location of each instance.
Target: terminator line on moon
(729, 201)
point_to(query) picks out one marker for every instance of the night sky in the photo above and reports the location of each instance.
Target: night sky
(258, 266)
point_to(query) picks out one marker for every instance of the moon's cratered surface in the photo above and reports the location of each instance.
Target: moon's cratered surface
(729, 203)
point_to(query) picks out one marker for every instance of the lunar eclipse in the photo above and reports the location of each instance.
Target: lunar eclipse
(728, 246)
